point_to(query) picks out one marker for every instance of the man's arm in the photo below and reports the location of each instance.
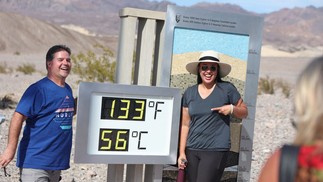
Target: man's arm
(14, 132)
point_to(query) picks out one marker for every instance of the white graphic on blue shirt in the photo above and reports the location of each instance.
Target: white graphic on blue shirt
(64, 114)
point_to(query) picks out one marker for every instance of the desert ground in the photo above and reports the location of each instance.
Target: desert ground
(273, 64)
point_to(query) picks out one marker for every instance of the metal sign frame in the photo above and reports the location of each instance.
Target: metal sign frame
(163, 132)
(224, 23)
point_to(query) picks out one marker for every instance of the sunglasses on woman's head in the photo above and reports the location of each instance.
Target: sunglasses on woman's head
(206, 67)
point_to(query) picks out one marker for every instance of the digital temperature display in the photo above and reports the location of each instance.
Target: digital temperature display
(118, 139)
(127, 124)
(123, 109)
(113, 139)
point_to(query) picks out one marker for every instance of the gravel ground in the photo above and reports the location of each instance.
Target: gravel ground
(272, 129)
(272, 123)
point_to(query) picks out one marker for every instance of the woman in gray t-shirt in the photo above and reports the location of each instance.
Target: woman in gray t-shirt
(206, 110)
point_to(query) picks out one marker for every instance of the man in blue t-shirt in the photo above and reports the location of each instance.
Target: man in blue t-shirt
(47, 106)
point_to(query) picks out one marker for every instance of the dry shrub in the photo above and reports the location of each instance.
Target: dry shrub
(27, 69)
(4, 68)
(269, 86)
(8, 101)
(94, 68)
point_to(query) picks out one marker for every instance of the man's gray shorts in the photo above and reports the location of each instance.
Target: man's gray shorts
(39, 175)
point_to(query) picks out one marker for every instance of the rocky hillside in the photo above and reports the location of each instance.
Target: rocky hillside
(295, 29)
(22, 34)
(288, 30)
(98, 16)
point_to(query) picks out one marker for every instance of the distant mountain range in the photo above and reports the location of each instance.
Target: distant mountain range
(290, 30)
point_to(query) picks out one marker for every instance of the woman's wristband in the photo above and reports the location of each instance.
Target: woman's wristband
(232, 107)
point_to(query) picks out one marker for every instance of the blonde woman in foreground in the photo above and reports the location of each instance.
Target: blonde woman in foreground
(303, 160)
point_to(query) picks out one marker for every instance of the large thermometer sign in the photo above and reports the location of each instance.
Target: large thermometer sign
(127, 124)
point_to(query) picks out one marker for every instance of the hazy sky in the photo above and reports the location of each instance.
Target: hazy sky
(258, 6)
